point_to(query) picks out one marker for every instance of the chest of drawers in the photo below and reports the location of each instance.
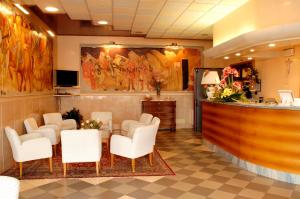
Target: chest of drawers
(164, 110)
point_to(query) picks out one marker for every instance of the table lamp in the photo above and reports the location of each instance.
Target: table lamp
(210, 78)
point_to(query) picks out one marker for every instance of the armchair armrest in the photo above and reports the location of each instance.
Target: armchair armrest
(49, 133)
(126, 123)
(119, 144)
(30, 136)
(69, 124)
(52, 126)
(36, 149)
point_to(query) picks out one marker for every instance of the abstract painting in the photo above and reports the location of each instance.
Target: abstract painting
(25, 54)
(135, 69)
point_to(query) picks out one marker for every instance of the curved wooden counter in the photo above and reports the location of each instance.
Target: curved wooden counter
(269, 137)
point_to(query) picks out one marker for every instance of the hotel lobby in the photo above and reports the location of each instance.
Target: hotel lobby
(157, 99)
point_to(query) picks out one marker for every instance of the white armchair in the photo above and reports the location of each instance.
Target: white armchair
(29, 147)
(9, 187)
(106, 129)
(56, 118)
(50, 131)
(144, 119)
(139, 145)
(81, 146)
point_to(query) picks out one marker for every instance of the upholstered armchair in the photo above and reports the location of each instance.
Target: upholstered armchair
(81, 146)
(56, 118)
(9, 187)
(50, 131)
(139, 145)
(106, 129)
(29, 147)
(144, 119)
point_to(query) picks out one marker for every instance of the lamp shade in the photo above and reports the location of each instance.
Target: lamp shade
(210, 77)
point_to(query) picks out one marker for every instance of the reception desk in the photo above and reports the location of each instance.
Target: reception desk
(262, 139)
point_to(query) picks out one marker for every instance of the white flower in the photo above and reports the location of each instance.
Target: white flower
(87, 121)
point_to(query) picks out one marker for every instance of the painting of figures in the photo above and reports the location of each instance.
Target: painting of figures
(135, 69)
(25, 55)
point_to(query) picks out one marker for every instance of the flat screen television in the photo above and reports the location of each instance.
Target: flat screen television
(66, 78)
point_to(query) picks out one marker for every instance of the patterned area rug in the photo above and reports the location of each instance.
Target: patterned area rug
(39, 169)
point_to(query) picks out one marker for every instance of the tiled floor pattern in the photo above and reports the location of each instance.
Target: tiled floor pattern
(199, 174)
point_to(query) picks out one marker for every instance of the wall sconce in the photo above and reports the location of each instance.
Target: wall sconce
(112, 44)
(174, 46)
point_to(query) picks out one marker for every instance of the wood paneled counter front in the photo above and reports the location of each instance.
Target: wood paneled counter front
(264, 135)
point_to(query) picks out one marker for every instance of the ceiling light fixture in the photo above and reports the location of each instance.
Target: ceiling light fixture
(237, 54)
(22, 8)
(271, 45)
(252, 50)
(249, 58)
(174, 46)
(226, 57)
(51, 9)
(102, 22)
(50, 33)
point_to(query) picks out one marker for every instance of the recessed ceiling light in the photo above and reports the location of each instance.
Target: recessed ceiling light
(226, 57)
(51, 9)
(102, 22)
(50, 33)
(237, 54)
(22, 8)
(272, 45)
(252, 50)
(250, 58)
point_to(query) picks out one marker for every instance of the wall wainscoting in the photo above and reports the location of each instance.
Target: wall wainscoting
(13, 111)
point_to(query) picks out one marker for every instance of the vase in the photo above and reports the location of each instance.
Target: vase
(158, 91)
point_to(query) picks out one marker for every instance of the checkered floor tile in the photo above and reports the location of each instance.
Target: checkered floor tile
(199, 174)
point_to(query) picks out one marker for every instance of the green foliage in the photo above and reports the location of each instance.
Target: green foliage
(73, 114)
(91, 124)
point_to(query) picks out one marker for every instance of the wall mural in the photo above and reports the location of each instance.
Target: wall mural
(25, 55)
(135, 69)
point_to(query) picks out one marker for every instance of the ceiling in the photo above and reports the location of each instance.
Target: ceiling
(186, 19)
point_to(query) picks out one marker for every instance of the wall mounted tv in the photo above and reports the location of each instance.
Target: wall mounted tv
(66, 78)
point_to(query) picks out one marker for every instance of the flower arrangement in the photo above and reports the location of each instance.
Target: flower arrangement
(91, 124)
(157, 82)
(229, 90)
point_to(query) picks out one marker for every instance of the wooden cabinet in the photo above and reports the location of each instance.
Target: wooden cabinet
(164, 110)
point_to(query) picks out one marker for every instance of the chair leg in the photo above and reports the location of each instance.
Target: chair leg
(54, 150)
(50, 165)
(21, 169)
(133, 165)
(151, 158)
(97, 168)
(112, 157)
(65, 169)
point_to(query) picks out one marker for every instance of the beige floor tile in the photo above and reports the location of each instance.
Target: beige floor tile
(167, 154)
(203, 148)
(126, 197)
(263, 180)
(62, 191)
(227, 174)
(94, 190)
(210, 184)
(154, 188)
(190, 196)
(183, 186)
(237, 182)
(251, 194)
(280, 191)
(221, 194)
(124, 189)
(201, 175)
(96, 181)
(32, 193)
(149, 178)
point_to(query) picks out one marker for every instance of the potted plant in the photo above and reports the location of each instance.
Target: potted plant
(73, 114)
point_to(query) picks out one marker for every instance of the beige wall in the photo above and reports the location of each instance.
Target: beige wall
(255, 15)
(274, 74)
(128, 106)
(13, 111)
